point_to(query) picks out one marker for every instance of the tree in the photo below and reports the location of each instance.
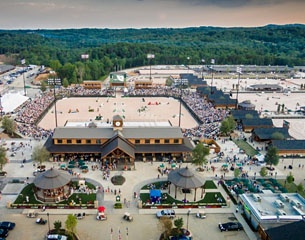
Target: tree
(40, 154)
(300, 187)
(65, 83)
(272, 157)
(57, 226)
(43, 86)
(249, 116)
(71, 223)
(178, 223)
(3, 158)
(263, 172)
(165, 225)
(277, 136)
(237, 172)
(227, 125)
(9, 125)
(290, 178)
(199, 154)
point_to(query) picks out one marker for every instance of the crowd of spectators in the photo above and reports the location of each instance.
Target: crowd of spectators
(27, 116)
(30, 112)
(203, 109)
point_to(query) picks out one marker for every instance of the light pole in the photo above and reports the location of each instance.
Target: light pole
(55, 82)
(203, 61)
(85, 57)
(180, 100)
(187, 220)
(150, 56)
(212, 63)
(48, 222)
(188, 64)
(23, 63)
(238, 70)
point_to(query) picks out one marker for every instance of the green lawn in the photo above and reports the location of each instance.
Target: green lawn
(76, 197)
(249, 150)
(291, 187)
(209, 184)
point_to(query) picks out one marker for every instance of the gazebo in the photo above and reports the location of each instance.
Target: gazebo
(185, 179)
(52, 186)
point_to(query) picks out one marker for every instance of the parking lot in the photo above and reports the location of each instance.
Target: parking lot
(144, 226)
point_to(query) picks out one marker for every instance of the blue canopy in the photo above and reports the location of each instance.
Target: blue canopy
(155, 195)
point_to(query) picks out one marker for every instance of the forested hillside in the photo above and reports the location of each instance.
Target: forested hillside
(111, 49)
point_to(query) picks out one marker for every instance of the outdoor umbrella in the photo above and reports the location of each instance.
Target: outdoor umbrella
(101, 209)
(81, 163)
(71, 166)
(84, 167)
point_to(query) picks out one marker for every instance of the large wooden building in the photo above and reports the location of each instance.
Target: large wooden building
(119, 144)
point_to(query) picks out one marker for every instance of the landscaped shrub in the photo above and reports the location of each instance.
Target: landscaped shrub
(118, 180)
(118, 205)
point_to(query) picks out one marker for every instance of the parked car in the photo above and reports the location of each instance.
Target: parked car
(170, 213)
(56, 237)
(7, 225)
(3, 233)
(230, 226)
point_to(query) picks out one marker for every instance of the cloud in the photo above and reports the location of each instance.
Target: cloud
(235, 3)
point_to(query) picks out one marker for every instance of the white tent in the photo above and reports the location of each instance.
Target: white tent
(12, 100)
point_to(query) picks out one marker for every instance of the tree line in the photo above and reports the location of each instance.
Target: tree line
(116, 49)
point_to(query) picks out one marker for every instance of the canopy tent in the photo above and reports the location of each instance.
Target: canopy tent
(12, 100)
(155, 195)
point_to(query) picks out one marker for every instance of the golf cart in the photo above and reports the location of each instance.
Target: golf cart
(127, 217)
(101, 216)
(32, 214)
(41, 221)
(201, 214)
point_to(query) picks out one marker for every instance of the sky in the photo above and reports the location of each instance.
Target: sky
(118, 14)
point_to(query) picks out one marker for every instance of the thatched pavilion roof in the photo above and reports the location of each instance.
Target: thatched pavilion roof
(185, 178)
(52, 179)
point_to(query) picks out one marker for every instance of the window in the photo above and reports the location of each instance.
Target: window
(88, 141)
(69, 141)
(98, 141)
(78, 141)
(137, 141)
(147, 141)
(176, 140)
(166, 140)
(157, 140)
(59, 141)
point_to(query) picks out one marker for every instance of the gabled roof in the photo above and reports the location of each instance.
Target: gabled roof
(107, 132)
(238, 114)
(257, 122)
(289, 144)
(118, 142)
(292, 231)
(266, 133)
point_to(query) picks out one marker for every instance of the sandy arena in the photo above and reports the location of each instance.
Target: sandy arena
(133, 109)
